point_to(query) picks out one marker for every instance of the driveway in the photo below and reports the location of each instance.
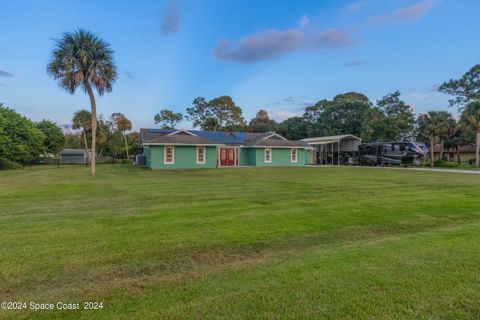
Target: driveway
(411, 169)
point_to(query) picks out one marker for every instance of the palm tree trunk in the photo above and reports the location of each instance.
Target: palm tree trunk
(126, 145)
(86, 145)
(432, 155)
(477, 150)
(458, 154)
(94, 125)
(441, 149)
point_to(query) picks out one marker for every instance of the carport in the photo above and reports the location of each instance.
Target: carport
(339, 149)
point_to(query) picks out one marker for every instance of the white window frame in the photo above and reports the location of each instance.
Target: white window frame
(204, 154)
(296, 155)
(165, 155)
(265, 155)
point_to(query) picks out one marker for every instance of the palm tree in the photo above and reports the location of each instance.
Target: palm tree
(123, 125)
(461, 136)
(471, 115)
(81, 59)
(431, 128)
(82, 120)
(445, 124)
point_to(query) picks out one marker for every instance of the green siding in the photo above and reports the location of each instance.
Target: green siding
(280, 157)
(243, 157)
(185, 157)
(247, 156)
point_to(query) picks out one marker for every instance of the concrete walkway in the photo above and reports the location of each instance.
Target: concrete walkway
(411, 169)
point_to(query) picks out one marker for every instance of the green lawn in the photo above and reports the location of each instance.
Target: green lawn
(241, 243)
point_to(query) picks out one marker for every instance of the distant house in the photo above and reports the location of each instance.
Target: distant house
(170, 149)
(74, 155)
(466, 153)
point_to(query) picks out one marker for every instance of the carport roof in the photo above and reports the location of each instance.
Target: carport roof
(330, 139)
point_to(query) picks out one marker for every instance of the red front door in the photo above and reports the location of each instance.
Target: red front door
(227, 157)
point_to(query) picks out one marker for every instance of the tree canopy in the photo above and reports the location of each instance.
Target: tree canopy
(294, 128)
(398, 118)
(464, 90)
(54, 139)
(168, 119)
(218, 114)
(20, 139)
(262, 123)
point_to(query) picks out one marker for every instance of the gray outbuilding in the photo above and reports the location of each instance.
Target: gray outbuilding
(339, 149)
(74, 155)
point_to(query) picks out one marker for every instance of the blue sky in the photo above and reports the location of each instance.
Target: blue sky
(277, 55)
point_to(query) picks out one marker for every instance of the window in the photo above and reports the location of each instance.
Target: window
(293, 155)
(169, 155)
(268, 155)
(201, 155)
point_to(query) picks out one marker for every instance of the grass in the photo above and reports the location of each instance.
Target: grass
(241, 243)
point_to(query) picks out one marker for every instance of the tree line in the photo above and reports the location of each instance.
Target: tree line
(23, 141)
(82, 60)
(388, 119)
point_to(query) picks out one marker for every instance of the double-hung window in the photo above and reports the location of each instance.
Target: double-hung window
(169, 155)
(201, 158)
(293, 155)
(268, 155)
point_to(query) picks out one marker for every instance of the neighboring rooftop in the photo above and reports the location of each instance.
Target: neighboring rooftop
(73, 151)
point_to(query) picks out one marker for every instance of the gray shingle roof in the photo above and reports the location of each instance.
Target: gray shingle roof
(169, 137)
(248, 139)
(269, 140)
(73, 151)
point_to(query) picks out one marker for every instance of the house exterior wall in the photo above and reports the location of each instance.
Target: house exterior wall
(73, 158)
(452, 156)
(185, 157)
(243, 157)
(280, 157)
(249, 156)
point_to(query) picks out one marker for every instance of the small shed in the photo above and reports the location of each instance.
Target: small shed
(339, 149)
(74, 155)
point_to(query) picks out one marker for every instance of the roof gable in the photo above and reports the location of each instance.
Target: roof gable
(248, 139)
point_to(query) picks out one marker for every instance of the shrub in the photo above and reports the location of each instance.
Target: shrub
(445, 164)
(9, 165)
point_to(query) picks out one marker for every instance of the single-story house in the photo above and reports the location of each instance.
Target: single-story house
(466, 153)
(74, 155)
(181, 149)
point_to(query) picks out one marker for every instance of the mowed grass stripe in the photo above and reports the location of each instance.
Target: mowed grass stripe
(127, 232)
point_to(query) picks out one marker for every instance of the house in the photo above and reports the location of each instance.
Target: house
(465, 153)
(74, 155)
(182, 149)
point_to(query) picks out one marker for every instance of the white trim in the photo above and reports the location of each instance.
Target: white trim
(181, 130)
(278, 147)
(265, 155)
(179, 144)
(165, 155)
(204, 155)
(296, 155)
